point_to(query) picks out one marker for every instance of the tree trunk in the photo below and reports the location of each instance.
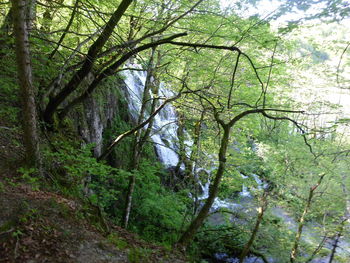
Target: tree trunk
(155, 92)
(346, 193)
(196, 138)
(131, 187)
(138, 143)
(194, 158)
(183, 158)
(336, 241)
(261, 210)
(188, 235)
(30, 130)
(294, 251)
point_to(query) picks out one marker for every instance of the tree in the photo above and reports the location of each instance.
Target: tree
(139, 140)
(88, 63)
(293, 253)
(261, 210)
(30, 124)
(126, 51)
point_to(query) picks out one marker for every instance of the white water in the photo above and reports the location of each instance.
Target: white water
(218, 203)
(164, 130)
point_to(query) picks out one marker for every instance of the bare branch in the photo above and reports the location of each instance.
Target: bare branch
(70, 22)
(340, 60)
(270, 71)
(233, 80)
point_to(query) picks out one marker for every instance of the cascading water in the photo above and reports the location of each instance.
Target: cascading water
(164, 135)
(164, 130)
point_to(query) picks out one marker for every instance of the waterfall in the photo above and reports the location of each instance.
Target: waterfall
(164, 130)
(245, 192)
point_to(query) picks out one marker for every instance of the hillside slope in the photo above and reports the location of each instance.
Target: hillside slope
(40, 226)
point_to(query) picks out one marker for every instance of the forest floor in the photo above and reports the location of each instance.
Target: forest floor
(40, 226)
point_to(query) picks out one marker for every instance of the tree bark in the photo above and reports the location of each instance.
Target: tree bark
(183, 158)
(30, 14)
(30, 125)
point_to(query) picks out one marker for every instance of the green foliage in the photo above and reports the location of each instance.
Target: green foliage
(107, 190)
(121, 155)
(275, 237)
(281, 158)
(117, 241)
(161, 211)
(76, 164)
(28, 176)
(17, 234)
(160, 216)
(225, 238)
(139, 255)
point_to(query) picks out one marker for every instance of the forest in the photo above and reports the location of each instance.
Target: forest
(210, 131)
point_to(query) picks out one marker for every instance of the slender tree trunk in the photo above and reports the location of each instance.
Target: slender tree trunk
(154, 84)
(138, 144)
(198, 221)
(346, 193)
(194, 157)
(131, 188)
(155, 91)
(196, 138)
(70, 22)
(30, 130)
(345, 218)
(336, 241)
(319, 247)
(180, 135)
(184, 159)
(261, 211)
(294, 251)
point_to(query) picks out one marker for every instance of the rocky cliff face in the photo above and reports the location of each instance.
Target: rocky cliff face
(99, 111)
